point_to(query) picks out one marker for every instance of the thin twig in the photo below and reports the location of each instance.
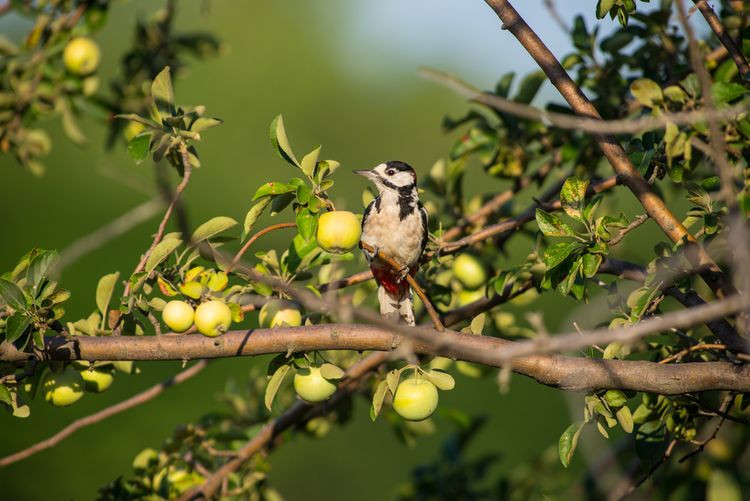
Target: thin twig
(633, 225)
(496, 202)
(103, 414)
(187, 171)
(583, 124)
(255, 237)
(725, 405)
(654, 467)
(113, 229)
(278, 425)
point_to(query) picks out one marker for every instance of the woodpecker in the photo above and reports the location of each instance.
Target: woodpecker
(394, 223)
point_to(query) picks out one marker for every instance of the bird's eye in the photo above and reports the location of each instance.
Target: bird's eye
(390, 172)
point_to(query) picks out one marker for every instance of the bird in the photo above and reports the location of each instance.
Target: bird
(395, 223)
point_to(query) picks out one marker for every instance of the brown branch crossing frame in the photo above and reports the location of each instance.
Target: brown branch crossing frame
(610, 146)
(568, 373)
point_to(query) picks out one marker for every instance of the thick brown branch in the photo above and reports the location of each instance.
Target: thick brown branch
(610, 146)
(721, 33)
(565, 372)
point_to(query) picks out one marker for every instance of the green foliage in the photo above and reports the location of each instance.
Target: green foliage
(639, 69)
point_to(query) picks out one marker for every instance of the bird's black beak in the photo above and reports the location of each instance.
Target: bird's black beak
(365, 173)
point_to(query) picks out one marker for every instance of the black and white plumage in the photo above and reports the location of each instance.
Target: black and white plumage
(395, 223)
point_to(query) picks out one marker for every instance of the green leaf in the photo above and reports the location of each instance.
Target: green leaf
(252, 216)
(442, 380)
(551, 225)
(5, 396)
(203, 123)
(603, 7)
(273, 188)
(104, 290)
(723, 92)
(16, 325)
(280, 141)
(39, 268)
(615, 398)
(377, 399)
(330, 371)
(392, 379)
(568, 442)
(625, 418)
(160, 253)
(309, 162)
(675, 94)
(557, 253)
(572, 196)
(12, 295)
(647, 92)
(70, 126)
(161, 88)
(211, 228)
(591, 263)
(306, 223)
(138, 147)
(274, 383)
(530, 87)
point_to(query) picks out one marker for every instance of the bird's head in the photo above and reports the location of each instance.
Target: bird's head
(391, 176)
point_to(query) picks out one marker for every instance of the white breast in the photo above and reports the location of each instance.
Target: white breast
(400, 239)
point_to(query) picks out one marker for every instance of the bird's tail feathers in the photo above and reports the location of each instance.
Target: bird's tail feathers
(396, 307)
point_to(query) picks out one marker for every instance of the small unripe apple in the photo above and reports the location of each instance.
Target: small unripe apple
(96, 381)
(311, 386)
(212, 318)
(81, 56)
(62, 388)
(338, 231)
(465, 297)
(415, 399)
(178, 315)
(280, 313)
(469, 271)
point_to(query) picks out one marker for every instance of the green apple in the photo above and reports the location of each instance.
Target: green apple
(178, 315)
(96, 381)
(62, 388)
(280, 313)
(469, 271)
(415, 399)
(212, 318)
(464, 297)
(338, 231)
(311, 386)
(81, 56)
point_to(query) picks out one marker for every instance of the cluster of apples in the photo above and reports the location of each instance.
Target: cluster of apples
(64, 387)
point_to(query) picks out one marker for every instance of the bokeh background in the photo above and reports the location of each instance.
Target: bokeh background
(344, 74)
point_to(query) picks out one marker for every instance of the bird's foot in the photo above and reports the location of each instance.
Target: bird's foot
(371, 255)
(401, 274)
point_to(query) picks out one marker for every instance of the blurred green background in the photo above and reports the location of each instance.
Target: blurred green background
(344, 75)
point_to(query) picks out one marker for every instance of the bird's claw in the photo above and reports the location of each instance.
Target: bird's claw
(371, 255)
(402, 273)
